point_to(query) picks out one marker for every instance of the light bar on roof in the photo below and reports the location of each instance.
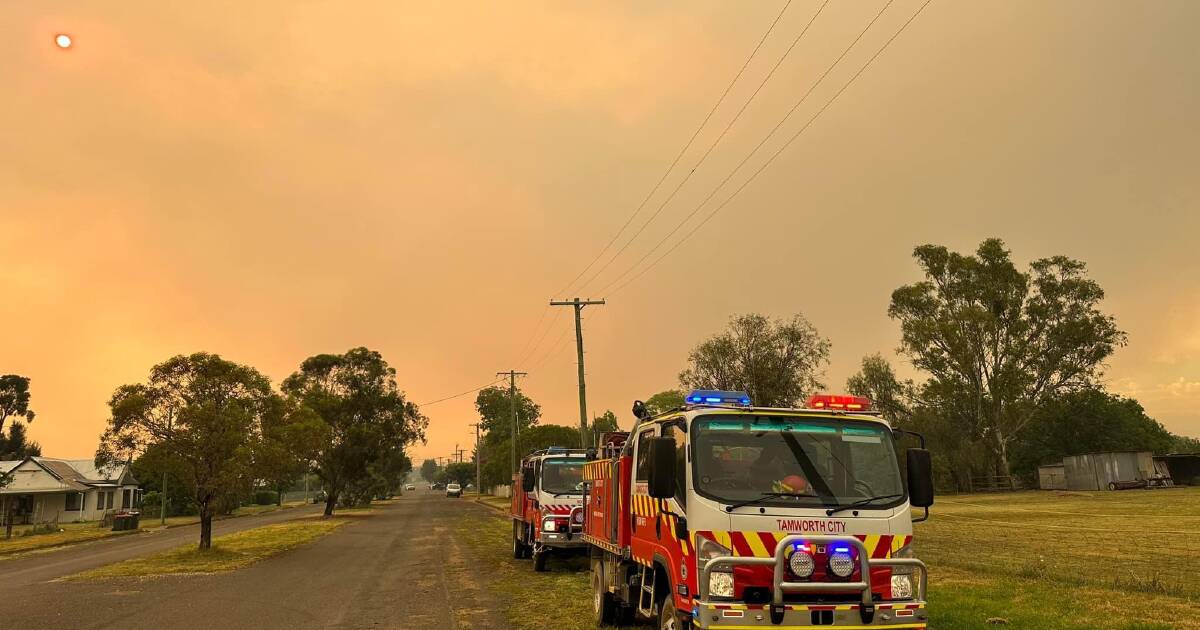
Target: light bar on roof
(717, 397)
(839, 403)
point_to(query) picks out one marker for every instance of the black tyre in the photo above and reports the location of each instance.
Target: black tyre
(539, 559)
(668, 619)
(604, 609)
(519, 545)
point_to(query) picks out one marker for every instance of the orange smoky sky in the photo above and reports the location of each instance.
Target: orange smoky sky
(270, 180)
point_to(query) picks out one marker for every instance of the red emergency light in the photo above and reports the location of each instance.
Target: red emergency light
(839, 403)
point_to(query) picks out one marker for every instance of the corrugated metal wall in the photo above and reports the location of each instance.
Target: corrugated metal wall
(1053, 477)
(1095, 471)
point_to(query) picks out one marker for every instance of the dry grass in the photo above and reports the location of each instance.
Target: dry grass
(496, 502)
(69, 534)
(1038, 561)
(1136, 541)
(76, 533)
(559, 599)
(229, 552)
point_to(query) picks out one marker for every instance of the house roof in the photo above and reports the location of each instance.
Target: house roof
(70, 474)
(9, 465)
(86, 469)
(65, 473)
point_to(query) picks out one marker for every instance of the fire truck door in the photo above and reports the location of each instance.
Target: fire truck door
(643, 535)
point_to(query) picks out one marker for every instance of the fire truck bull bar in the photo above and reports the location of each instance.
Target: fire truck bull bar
(781, 586)
(572, 537)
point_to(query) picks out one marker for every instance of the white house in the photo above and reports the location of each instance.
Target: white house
(49, 490)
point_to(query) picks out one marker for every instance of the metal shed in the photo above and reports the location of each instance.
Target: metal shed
(1052, 477)
(1183, 468)
(1095, 471)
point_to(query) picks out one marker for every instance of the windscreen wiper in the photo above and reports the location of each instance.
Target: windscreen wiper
(763, 497)
(860, 503)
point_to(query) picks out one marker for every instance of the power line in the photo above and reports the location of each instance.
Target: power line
(554, 348)
(744, 160)
(769, 160)
(533, 351)
(459, 395)
(711, 146)
(532, 334)
(682, 151)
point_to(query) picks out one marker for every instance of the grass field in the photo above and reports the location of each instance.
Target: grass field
(1044, 561)
(75, 533)
(229, 552)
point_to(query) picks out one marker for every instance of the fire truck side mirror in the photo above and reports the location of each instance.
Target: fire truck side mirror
(920, 478)
(661, 476)
(527, 479)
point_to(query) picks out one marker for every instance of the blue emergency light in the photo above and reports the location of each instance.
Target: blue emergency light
(717, 397)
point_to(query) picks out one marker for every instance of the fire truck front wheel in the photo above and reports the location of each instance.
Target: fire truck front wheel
(540, 554)
(604, 609)
(668, 618)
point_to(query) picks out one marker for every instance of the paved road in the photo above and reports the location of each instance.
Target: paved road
(401, 567)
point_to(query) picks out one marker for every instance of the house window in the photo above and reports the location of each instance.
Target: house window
(126, 499)
(110, 499)
(74, 502)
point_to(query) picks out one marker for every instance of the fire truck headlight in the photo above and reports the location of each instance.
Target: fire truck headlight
(841, 563)
(802, 564)
(720, 584)
(902, 587)
(549, 526)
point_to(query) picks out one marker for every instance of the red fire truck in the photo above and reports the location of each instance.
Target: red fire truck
(546, 514)
(720, 514)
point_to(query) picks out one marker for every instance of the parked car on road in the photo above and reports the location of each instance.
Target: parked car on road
(408, 487)
(453, 490)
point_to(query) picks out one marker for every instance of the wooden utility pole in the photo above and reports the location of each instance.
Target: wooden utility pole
(512, 402)
(578, 304)
(478, 465)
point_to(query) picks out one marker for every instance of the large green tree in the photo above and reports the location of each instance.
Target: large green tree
(429, 470)
(496, 459)
(383, 479)
(369, 421)
(959, 453)
(204, 410)
(998, 342)
(495, 405)
(17, 445)
(1086, 421)
(14, 403)
(292, 435)
(664, 401)
(150, 468)
(14, 399)
(605, 423)
(893, 398)
(461, 473)
(778, 362)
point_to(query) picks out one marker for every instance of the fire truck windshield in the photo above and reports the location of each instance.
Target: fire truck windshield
(563, 475)
(794, 461)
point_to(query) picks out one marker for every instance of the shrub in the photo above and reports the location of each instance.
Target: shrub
(265, 497)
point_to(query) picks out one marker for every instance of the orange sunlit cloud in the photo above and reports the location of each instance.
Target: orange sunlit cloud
(420, 179)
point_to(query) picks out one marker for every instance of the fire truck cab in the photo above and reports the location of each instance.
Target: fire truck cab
(547, 504)
(720, 514)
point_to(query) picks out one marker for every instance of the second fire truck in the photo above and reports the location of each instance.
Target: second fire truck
(721, 514)
(547, 492)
